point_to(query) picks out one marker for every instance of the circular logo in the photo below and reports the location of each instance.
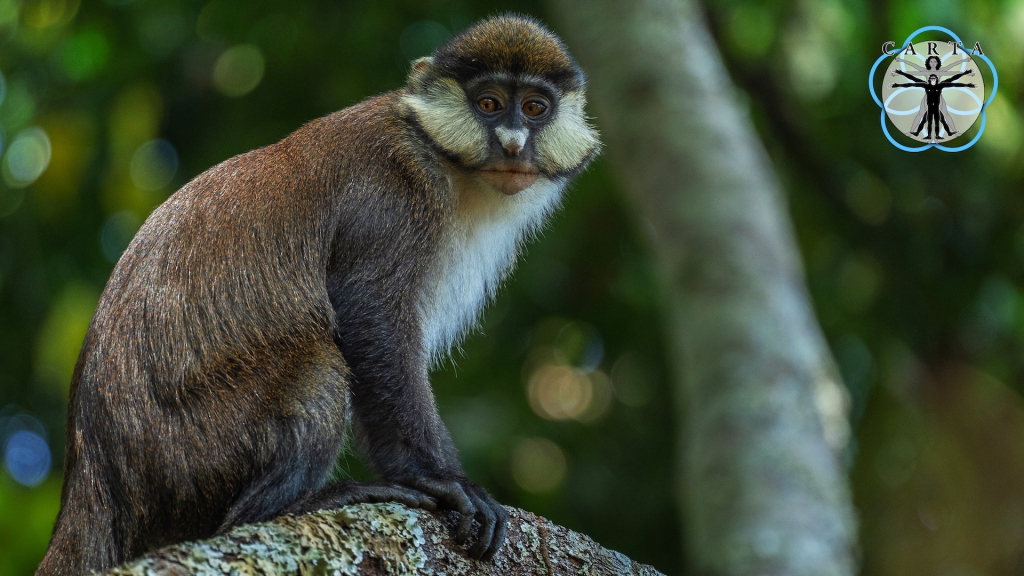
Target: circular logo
(932, 94)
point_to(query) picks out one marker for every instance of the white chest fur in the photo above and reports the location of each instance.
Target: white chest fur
(479, 252)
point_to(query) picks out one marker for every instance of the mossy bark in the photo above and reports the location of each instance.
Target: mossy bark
(761, 409)
(372, 539)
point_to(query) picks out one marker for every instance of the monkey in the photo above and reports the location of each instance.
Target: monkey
(305, 288)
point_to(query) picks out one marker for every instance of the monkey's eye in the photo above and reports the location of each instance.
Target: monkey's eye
(488, 105)
(534, 108)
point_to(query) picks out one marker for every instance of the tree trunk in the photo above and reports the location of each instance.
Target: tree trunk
(372, 539)
(762, 411)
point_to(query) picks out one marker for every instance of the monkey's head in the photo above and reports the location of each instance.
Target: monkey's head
(504, 99)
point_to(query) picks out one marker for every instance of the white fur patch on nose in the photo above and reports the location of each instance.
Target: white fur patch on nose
(509, 136)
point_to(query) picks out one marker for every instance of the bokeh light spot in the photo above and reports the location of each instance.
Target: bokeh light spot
(57, 195)
(19, 105)
(238, 70)
(27, 157)
(538, 465)
(559, 392)
(632, 380)
(577, 343)
(1003, 130)
(61, 336)
(85, 54)
(572, 341)
(27, 457)
(163, 29)
(9, 12)
(600, 397)
(215, 16)
(751, 30)
(868, 198)
(582, 345)
(154, 164)
(858, 282)
(40, 14)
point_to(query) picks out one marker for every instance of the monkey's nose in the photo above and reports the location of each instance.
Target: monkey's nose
(512, 139)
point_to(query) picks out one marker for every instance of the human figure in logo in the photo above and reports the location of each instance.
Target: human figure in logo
(932, 65)
(933, 99)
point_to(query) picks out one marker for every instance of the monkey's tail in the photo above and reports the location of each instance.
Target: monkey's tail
(84, 536)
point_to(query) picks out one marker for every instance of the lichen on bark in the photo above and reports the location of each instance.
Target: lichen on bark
(371, 539)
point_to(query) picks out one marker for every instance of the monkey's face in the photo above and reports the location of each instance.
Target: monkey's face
(509, 129)
(513, 114)
(504, 101)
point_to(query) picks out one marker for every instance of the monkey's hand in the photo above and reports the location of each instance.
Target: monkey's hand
(471, 501)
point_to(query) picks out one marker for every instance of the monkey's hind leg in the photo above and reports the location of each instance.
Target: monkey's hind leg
(298, 443)
(292, 486)
(304, 443)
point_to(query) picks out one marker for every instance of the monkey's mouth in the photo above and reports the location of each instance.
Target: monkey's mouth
(508, 177)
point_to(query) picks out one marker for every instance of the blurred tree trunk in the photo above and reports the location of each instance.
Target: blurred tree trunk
(762, 413)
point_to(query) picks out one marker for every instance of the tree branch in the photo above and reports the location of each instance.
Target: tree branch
(371, 539)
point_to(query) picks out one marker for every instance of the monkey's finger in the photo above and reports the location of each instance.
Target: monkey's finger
(461, 502)
(416, 499)
(453, 496)
(387, 493)
(485, 515)
(465, 521)
(499, 531)
(427, 502)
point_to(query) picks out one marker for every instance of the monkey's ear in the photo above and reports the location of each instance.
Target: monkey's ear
(419, 72)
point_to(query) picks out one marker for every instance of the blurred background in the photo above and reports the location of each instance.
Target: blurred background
(562, 403)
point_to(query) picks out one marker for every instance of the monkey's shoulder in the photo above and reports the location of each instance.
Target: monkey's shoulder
(373, 141)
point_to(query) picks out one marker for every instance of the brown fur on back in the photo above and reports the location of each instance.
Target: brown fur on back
(218, 317)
